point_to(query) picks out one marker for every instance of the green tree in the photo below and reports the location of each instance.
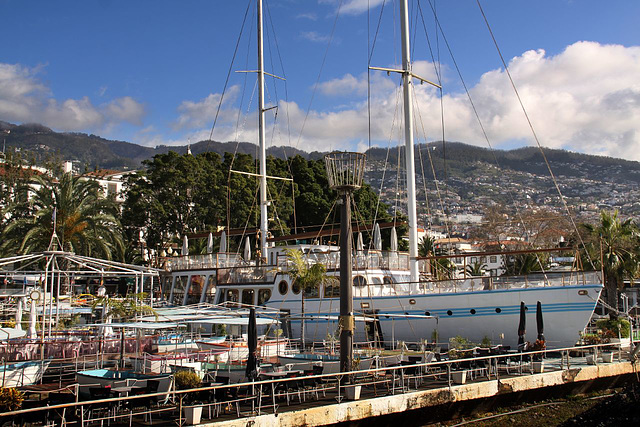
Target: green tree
(85, 222)
(307, 277)
(476, 269)
(613, 245)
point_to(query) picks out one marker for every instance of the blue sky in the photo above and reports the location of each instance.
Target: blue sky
(151, 72)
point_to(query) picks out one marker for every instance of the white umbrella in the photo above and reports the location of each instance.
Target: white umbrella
(394, 240)
(185, 246)
(210, 244)
(32, 333)
(359, 244)
(107, 330)
(247, 249)
(377, 238)
(223, 242)
(19, 314)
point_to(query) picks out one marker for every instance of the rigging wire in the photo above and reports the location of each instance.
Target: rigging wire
(317, 83)
(533, 132)
(235, 51)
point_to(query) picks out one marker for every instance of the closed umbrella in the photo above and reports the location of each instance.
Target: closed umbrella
(19, 314)
(210, 244)
(522, 326)
(223, 242)
(32, 333)
(394, 240)
(252, 344)
(185, 246)
(539, 322)
(247, 249)
(377, 238)
(359, 244)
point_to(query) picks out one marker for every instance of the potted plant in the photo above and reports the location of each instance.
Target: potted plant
(617, 330)
(352, 391)
(186, 380)
(459, 377)
(10, 399)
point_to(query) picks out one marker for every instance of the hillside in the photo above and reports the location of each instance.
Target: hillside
(470, 178)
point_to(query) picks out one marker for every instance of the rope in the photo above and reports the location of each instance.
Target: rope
(533, 132)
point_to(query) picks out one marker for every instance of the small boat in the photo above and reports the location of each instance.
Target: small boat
(235, 350)
(112, 378)
(175, 342)
(22, 373)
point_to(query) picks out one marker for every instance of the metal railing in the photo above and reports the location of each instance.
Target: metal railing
(268, 396)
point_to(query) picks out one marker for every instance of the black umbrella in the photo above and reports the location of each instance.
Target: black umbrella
(539, 322)
(522, 325)
(252, 343)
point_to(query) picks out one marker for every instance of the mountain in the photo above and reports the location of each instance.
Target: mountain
(469, 176)
(92, 151)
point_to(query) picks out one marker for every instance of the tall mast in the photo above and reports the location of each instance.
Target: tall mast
(408, 140)
(263, 152)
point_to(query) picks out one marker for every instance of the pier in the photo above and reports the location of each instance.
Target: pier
(294, 398)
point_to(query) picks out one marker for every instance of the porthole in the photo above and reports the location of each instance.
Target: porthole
(283, 287)
(359, 281)
(412, 301)
(472, 311)
(427, 313)
(364, 305)
(449, 313)
(498, 310)
(295, 288)
(582, 292)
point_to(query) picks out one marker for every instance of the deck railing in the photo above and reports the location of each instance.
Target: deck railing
(415, 371)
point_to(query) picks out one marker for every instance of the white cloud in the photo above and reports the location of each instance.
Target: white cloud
(586, 99)
(202, 113)
(23, 98)
(315, 37)
(354, 7)
(310, 16)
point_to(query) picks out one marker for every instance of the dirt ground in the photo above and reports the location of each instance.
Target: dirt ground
(620, 408)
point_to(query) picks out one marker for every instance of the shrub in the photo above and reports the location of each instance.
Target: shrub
(10, 399)
(610, 327)
(186, 380)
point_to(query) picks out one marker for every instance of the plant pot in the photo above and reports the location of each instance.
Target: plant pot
(591, 359)
(607, 357)
(193, 414)
(352, 392)
(459, 377)
(538, 366)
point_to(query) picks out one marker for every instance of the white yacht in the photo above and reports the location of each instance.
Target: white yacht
(394, 293)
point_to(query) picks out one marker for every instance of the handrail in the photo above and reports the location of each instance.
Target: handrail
(336, 376)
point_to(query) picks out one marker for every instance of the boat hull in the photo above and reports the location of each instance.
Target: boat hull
(22, 373)
(493, 314)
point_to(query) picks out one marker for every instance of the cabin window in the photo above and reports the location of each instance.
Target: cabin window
(359, 281)
(283, 287)
(210, 292)
(483, 259)
(295, 288)
(312, 292)
(178, 289)
(194, 291)
(332, 289)
(493, 259)
(231, 295)
(247, 296)
(263, 296)
(388, 280)
(376, 281)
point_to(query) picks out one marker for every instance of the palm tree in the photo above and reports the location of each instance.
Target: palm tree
(426, 247)
(476, 269)
(85, 222)
(123, 308)
(306, 277)
(614, 247)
